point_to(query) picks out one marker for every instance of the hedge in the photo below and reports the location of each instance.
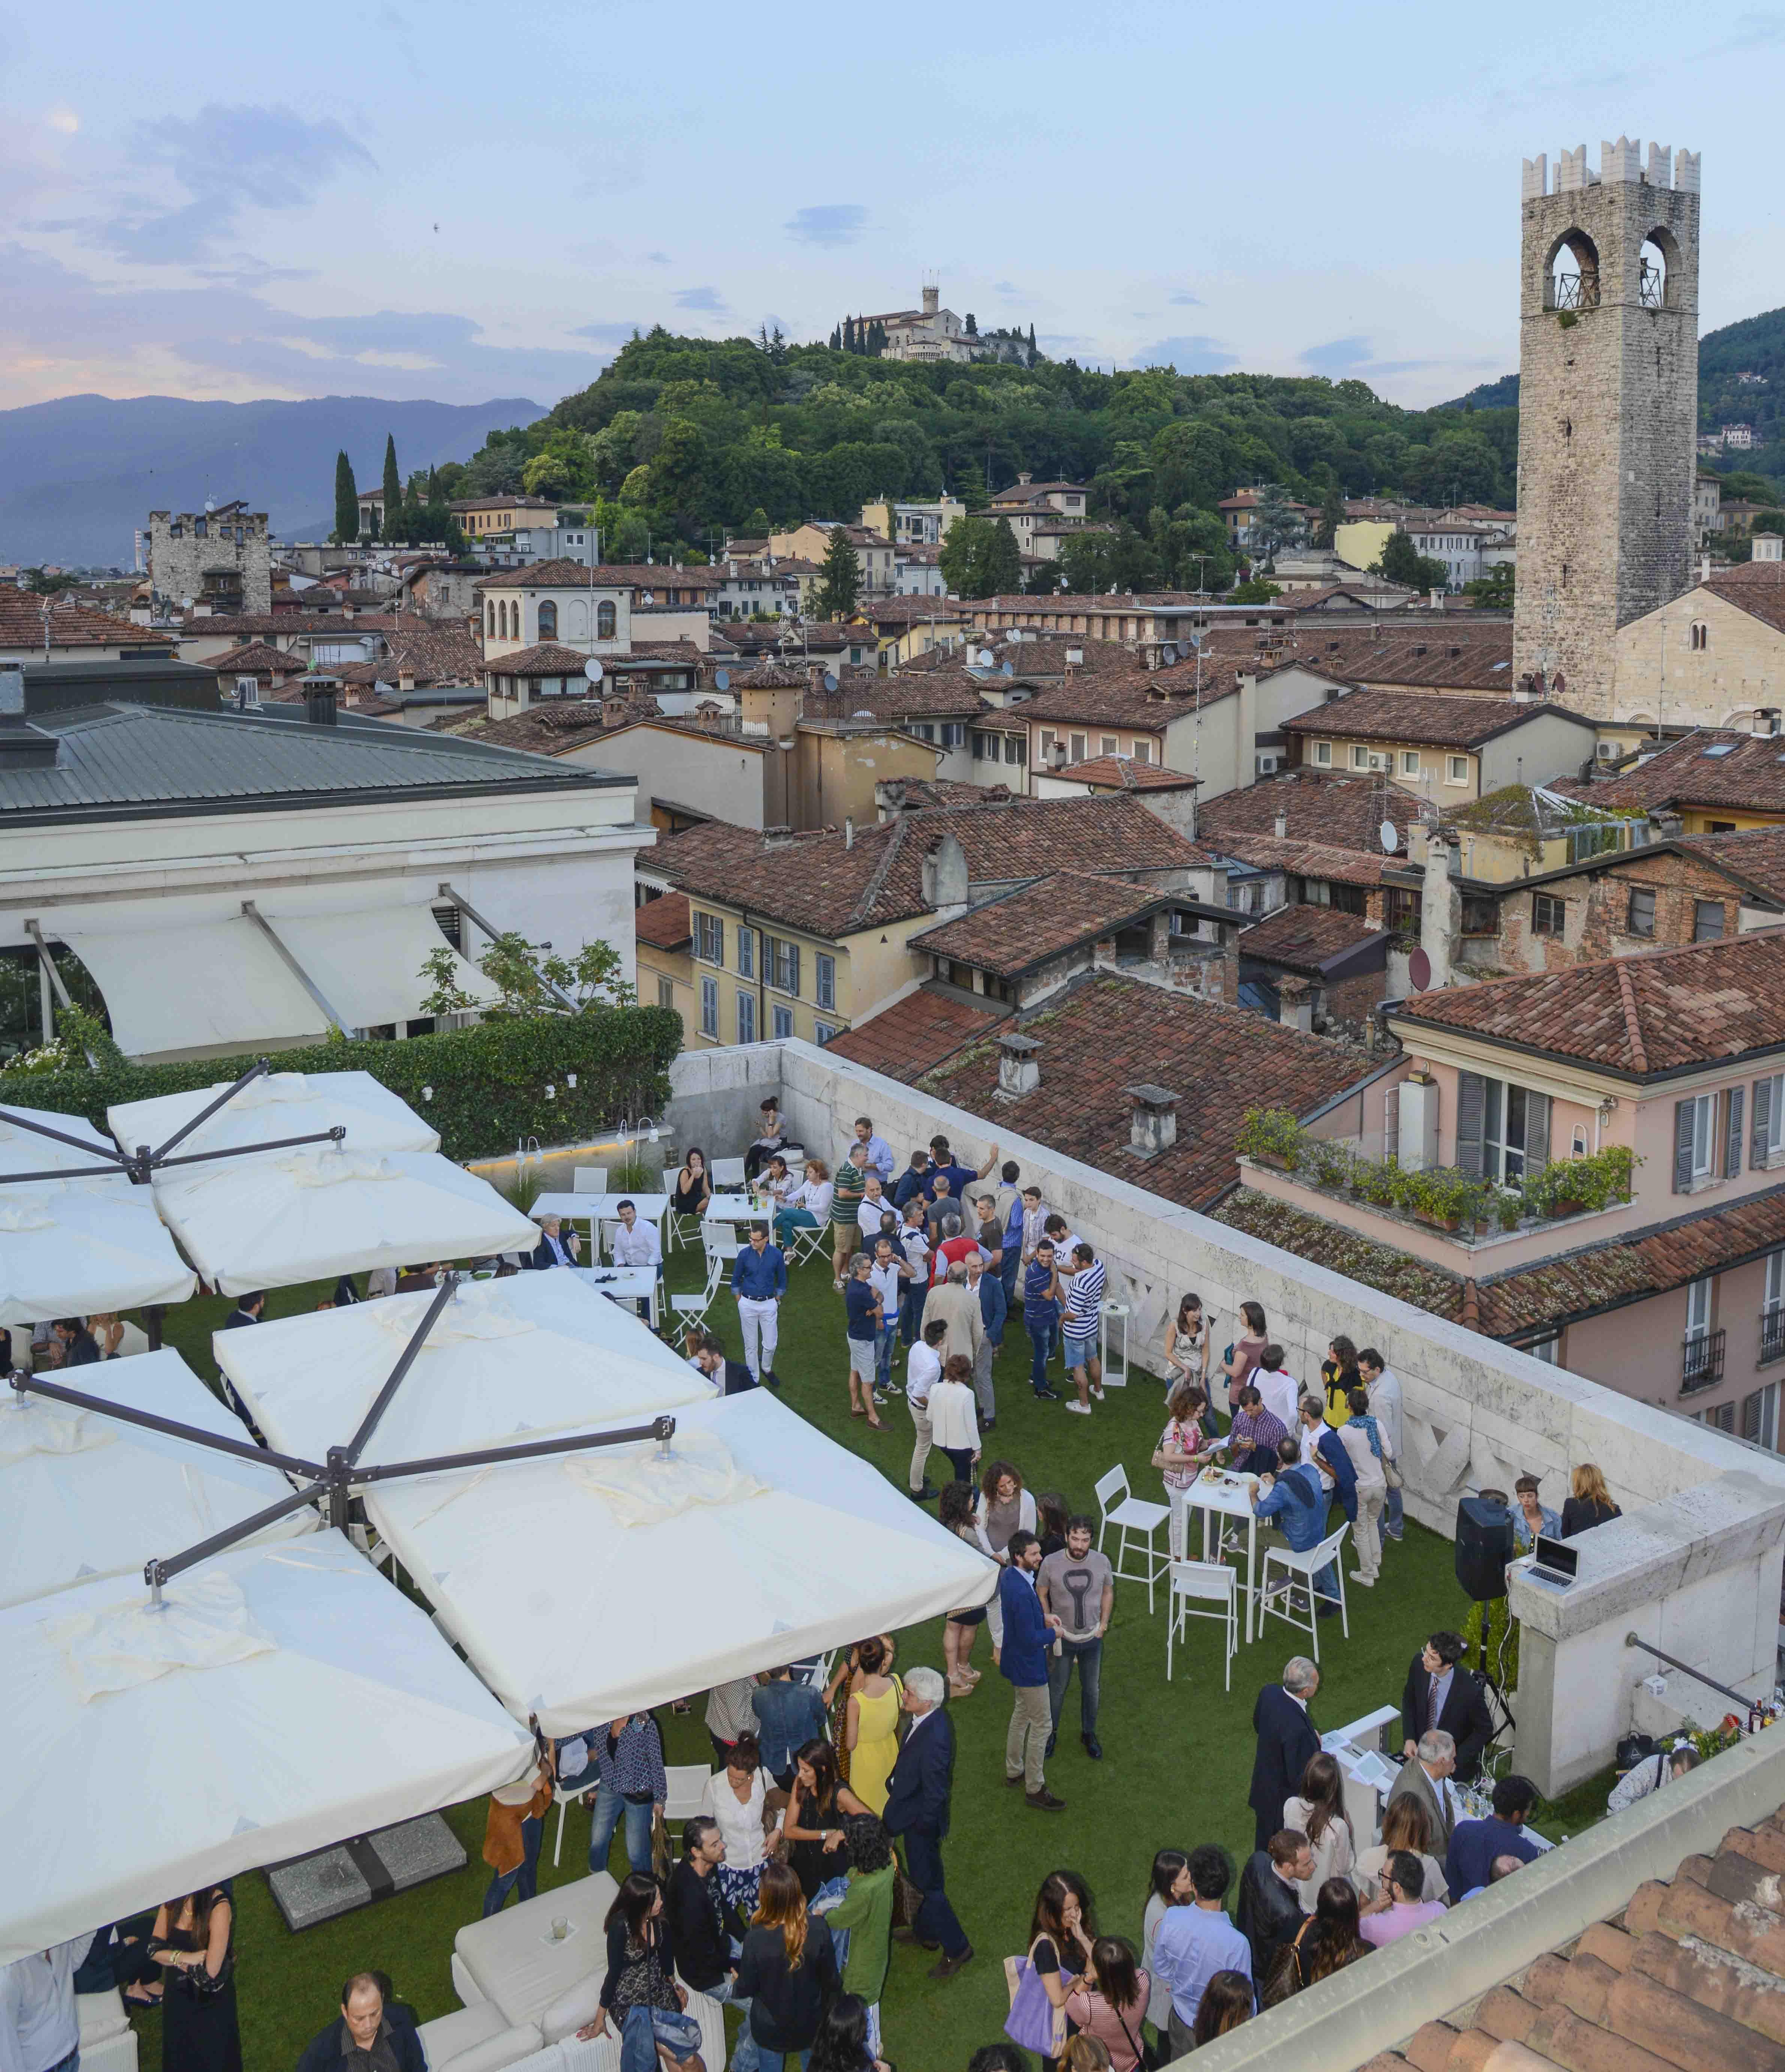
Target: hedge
(489, 1082)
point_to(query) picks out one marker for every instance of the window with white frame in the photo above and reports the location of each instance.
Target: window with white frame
(1772, 1309)
(954, 733)
(1108, 744)
(1044, 744)
(666, 992)
(1760, 1416)
(1323, 754)
(1456, 770)
(1698, 1309)
(1703, 1136)
(1143, 749)
(746, 951)
(784, 973)
(826, 976)
(1078, 749)
(747, 1016)
(1548, 1350)
(710, 939)
(1769, 1119)
(1410, 762)
(1361, 756)
(1016, 749)
(783, 1022)
(1508, 1115)
(710, 1008)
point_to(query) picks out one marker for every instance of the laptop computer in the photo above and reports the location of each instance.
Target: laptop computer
(1556, 1561)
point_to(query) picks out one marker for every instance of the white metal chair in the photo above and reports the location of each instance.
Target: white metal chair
(728, 1175)
(820, 1676)
(807, 1241)
(1113, 1324)
(1132, 1515)
(1295, 1573)
(687, 1783)
(691, 1309)
(1194, 1585)
(589, 1180)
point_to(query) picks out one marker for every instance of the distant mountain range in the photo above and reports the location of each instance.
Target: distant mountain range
(78, 475)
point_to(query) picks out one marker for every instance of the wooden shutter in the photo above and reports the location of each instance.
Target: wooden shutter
(1537, 1131)
(1762, 1123)
(1471, 1115)
(1682, 1147)
(1732, 1144)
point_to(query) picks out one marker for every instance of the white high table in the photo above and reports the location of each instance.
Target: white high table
(623, 1284)
(737, 1208)
(593, 1209)
(1227, 1496)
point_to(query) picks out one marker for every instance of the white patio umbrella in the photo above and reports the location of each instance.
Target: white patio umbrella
(273, 1218)
(284, 1698)
(278, 1104)
(68, 1247)
(26, 1150)
(597, 1584)
(83, 1495)
(504, 1360)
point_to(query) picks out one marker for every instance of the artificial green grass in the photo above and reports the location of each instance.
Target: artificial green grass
(1177, 1758)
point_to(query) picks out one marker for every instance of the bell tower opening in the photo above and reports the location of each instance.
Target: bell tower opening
(1572, 280)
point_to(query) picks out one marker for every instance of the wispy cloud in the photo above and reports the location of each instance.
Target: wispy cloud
(1199, 355)
(657, 258)
(608, 334)
(1185, 300)
(1337, 357)
(708, 300)
(1006, 288)
(833, 222)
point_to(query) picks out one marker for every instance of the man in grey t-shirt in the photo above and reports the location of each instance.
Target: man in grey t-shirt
(1077, 1586)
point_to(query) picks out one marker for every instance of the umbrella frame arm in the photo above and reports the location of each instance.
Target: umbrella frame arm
(156, 1572)
(24, 1384)
(355, 1446)
(260, 1066)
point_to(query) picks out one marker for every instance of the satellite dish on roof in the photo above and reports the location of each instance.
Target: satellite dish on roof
(1419, 971)
(1010, 669)
(985, 658)
(592, 669)
(1390, 836)
(830, 680)
(722, 679)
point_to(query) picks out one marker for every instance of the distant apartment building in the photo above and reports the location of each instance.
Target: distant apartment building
(918, 525)
(219, 557)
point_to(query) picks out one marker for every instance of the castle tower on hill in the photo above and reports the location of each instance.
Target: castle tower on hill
(1608, 407)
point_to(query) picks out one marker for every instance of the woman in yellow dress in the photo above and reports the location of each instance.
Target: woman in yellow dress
(871, 1734)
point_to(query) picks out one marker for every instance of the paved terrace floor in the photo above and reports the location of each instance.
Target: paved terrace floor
(1177, 1758)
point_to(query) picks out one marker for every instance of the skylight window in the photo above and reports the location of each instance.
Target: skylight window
(1717, 748)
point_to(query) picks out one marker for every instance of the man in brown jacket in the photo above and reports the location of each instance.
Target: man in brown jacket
(513, 1832)
(958, 1307)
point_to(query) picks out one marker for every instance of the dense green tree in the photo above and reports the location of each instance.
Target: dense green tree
(347, 502)
(1401, 561)
(1274, 524)
(1332, 515)
(1257, 591)
(1494, 589)
(393, 485)
(1084, 561)
(1003, 562)
(841, 587)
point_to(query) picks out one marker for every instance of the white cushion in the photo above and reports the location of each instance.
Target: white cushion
(444, 2038)
(571, 2009)
(464, 1984)
(117, 2053)
(513, 1960)
(494, 2054)
(101, 2015)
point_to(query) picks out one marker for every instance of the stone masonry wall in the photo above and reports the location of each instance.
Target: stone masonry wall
(1595, 925)
(1607, 419)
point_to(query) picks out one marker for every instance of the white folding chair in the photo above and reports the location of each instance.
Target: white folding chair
(687, 1783)
(820, 1676)
(806, 1241)
(1132, 1515)
(1194, 1585)
(1296, 1572)
(728, 1175)
(692, 1310)
(589, 1180)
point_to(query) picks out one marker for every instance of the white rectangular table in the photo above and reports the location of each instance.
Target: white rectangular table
(592, 1209)
(623, 1284)
(1229, 1496)
(736, 1209)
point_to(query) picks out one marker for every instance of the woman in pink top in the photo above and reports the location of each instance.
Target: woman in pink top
(1243, 1354)
(1110, 2001)
(1181, 1452)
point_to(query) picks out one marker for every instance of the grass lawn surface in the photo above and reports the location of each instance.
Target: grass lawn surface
(1177, 1758)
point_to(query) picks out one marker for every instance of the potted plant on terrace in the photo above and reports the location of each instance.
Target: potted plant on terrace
(1442, 1196)
(1577, 1186)
(1270, 1136)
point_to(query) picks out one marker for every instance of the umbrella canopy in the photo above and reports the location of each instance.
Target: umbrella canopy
(68, 1247)
(285, 1697)
(278, 1104)
(505, 1360)
(83, 1495)
(277, 1217)
(25, 1151)
(598, 1584)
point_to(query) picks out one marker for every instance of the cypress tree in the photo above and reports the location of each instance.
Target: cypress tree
(346, 501)
(393, 488)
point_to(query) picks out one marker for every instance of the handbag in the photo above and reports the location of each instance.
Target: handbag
(1285, 1971)
(907, 1899)
(1391, 1472)
(1033, 2021)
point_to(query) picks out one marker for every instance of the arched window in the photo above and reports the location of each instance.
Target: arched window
(507, 621)
(1655, 270)
(1701, 636)
(1571, 276)
(604, 620)
(548, 621)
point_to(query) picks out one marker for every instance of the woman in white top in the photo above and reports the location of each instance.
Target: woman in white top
(1171, 1887)
(801, 1204)
(954, 1415)
(117, 1336)
(1004, 1506)
(1366, 1446)
(733, 1796)
(1187, 1345)
(1318, 1812)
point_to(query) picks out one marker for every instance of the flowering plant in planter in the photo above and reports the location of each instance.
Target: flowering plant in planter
(1271, 1135)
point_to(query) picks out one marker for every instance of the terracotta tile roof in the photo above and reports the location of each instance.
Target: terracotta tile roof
(1122, 773)
(664, 922)
(1663, 1011)
(554, 728)
(819, 882)
(1307, 939)
(71, 625)
(916, 795)
(916, 1033)
(1748, 775)
(1434, 722)
(1040, 920)
(1108, 1033)
(548, 659)
(1757, 855)
(1451, 656)
(1029, 492)
(1306, 859)
(1343, 811)
(1689, 1976)
(911, 610)
(431, 654)
(1756, 588)
(253, 658)
(1323, 1243)
(900, 696)
(200, 626)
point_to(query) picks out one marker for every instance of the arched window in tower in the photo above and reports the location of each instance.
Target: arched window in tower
(1571, 279)
(1655, 272)
(604, 620)
(1700, 637)
(548, 621)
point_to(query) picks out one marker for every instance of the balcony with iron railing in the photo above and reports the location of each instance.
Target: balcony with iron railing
(1701, 1361)
(1575, 291)
(1772, 1335)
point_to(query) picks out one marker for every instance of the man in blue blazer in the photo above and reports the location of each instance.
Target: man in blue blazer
(1287, 1741)
(1029, 1633)
(918, 1794)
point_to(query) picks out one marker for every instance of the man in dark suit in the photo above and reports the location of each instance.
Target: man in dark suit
(365, 2033)
(1286, 1741)
(1442, 1696)
(730, 1377)
(79, 1348)
(1268, 1911)
(246, 1311)
(554, 1249)
(918, 1793)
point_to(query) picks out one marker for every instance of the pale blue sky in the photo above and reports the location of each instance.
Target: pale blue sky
(466, 201)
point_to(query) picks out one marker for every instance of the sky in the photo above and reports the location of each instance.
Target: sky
(466, 203)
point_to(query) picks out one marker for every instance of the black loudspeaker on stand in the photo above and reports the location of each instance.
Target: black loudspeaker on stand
(1485, 1545)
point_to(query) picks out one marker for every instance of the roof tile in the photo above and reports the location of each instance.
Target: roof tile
(916, 1033)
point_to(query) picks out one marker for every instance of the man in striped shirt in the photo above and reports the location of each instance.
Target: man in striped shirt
(1254, 1435)
(1083, 1323)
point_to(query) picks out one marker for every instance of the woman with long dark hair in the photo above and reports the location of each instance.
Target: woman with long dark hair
(1318, 1812)
(787, 1972)
(1062, 1931)
(640, 1995)
(694, 1187)
(1227, 2002)
(1109, 2002)
(1168, 1886)
(734, 1796)
(813, 1824)
(842, 2043)
(1338, 1372)
(1243, 1355)
(192, 1940)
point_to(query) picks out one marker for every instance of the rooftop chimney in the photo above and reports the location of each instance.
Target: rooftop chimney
(944, 878)
(1019, 1065)
(849, 830)
(1023, 477)
(319, 704)
(1280, 827)
(1152, 1120)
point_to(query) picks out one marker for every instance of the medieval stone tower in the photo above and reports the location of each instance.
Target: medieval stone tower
(1608, 407)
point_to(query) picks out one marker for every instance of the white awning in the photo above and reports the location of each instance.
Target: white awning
(223, 982)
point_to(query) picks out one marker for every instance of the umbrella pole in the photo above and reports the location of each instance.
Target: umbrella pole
(153, 1312)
